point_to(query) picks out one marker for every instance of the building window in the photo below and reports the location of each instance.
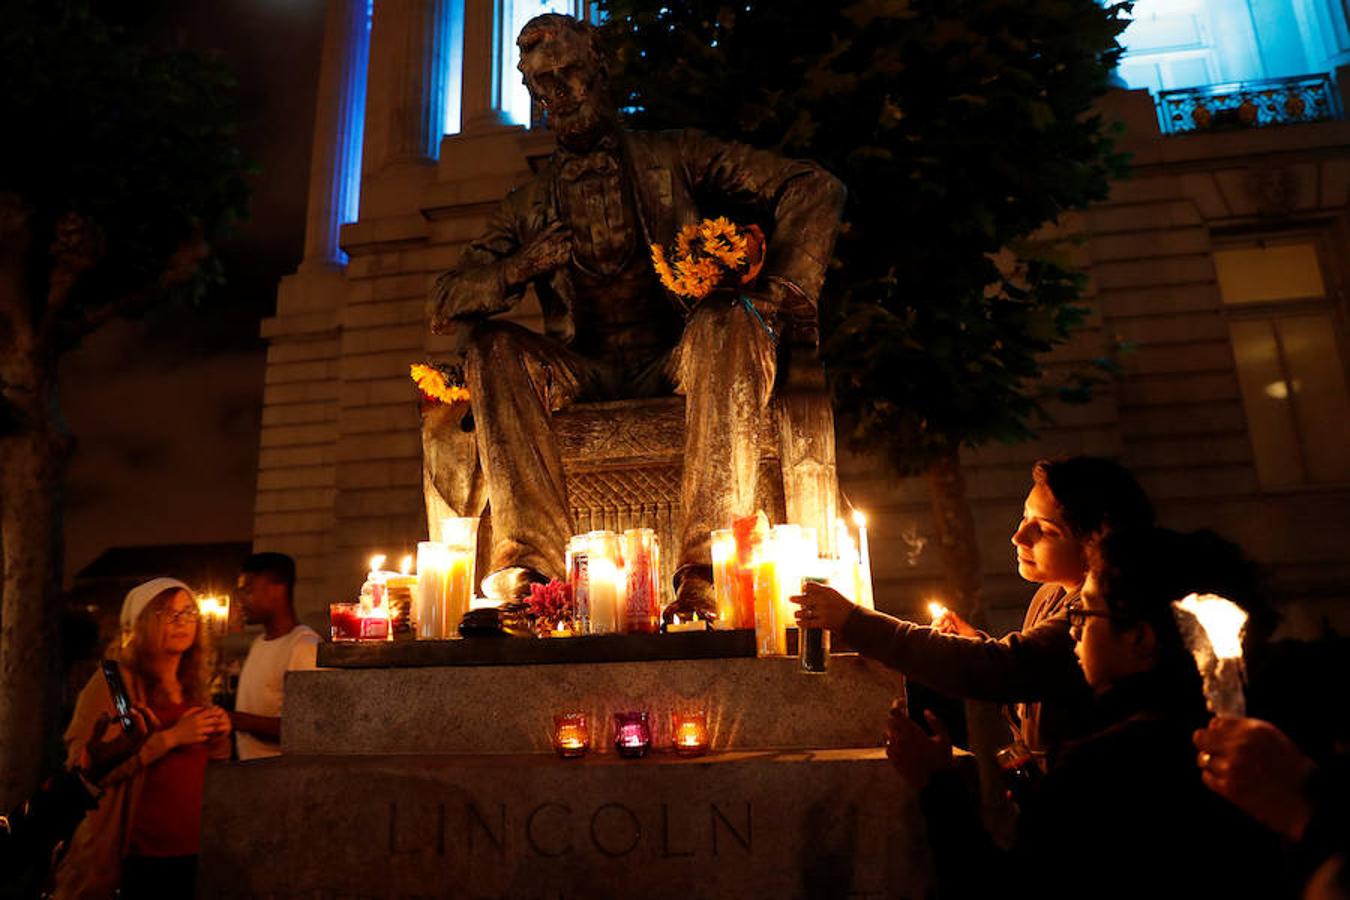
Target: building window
(1172, 44)
(515, 13)
(1285, 331)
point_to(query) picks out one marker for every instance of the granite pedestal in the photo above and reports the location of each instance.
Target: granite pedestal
(439, 782)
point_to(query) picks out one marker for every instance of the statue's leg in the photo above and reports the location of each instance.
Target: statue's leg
(452, 479)
(516, 378)
(724, 367)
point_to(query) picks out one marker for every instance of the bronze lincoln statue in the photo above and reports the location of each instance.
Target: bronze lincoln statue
(579, 232)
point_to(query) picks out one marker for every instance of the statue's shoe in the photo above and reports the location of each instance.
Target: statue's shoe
(512, 584)
(694, 596)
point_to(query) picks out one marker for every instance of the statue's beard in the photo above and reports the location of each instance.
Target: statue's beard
(580, 127)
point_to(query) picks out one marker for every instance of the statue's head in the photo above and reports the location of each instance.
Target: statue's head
(566, 72)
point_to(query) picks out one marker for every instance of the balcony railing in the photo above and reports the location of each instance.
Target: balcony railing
(1249, 104)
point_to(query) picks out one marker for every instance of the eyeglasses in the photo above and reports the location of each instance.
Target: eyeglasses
(183, 615)
(1078, 616)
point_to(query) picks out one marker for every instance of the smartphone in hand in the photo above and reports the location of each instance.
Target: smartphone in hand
(121, 700)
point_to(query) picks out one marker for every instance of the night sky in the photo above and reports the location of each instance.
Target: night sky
(165, 411)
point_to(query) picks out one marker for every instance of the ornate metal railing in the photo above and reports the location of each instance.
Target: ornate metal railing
(1249, 104)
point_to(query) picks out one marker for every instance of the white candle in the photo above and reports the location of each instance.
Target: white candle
(864, 561)
(1212, 628)
(433, 569)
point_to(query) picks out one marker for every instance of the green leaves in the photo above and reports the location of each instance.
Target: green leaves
(961, 128)
(138, 140)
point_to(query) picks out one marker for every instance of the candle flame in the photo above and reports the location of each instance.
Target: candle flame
(406, 566)
(859, 518)
(376, 562)
(1221, 619)
(936, 610)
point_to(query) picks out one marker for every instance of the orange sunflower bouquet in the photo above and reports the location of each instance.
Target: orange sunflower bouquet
(440, 382)
(714, 253)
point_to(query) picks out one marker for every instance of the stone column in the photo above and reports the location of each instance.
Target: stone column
(335, 163)
(409, 68)
(482, 66)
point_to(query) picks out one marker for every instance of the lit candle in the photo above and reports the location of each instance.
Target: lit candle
(375, 578)
(678, 627)
(1212, 628)
(216, 612)
(936, 610)
(690, 730)
(460, 535)
(433, 568)
(605, 579)
(864, 561)
(724, 578)
(571, 736)
(642, 581)
(632, 737)
(770, 633)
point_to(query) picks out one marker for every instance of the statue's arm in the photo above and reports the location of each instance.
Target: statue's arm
(480, 284)
(804, 201)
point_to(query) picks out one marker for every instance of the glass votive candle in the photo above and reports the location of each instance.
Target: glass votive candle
(690, 731)
(344, 620)
(571, 735)
(632, 736)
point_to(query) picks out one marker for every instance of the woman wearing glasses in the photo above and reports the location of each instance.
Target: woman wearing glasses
(144, 834)
(1070, 502)
(1123, 812)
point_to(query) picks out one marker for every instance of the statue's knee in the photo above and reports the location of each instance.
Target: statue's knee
(489, 339)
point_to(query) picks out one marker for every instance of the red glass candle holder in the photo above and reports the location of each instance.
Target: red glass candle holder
(632, 736)
(689, 731)
(571, 735)
(344, 620)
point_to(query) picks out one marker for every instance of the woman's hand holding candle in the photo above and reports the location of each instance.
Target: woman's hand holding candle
(947, 622)
(821, 606)
(1252, 764)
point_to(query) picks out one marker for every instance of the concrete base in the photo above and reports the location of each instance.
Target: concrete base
(835, 823)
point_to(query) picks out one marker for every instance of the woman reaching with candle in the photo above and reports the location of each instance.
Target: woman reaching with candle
(144, 834)
(1124, 812)
(1070, 501)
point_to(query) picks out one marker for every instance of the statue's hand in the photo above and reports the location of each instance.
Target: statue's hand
(549, 250)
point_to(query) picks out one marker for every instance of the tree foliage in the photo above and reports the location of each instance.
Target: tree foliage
(961, 128)
(120, 158)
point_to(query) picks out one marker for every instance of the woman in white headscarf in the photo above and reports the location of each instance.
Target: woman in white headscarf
(143, 837)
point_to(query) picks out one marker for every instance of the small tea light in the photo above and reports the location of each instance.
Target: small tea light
(678, 627)
(632, 736)
(571, 736)
(690, 730)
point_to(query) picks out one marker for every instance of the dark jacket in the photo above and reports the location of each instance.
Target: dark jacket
(1035, 667)
(669, 171)
(1122, 813)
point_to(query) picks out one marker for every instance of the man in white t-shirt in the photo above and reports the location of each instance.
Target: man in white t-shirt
(265, 590)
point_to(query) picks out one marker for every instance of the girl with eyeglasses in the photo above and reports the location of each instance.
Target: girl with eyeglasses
(143, 837)
(1123, 811)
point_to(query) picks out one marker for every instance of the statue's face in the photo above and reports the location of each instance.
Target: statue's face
(563, 77)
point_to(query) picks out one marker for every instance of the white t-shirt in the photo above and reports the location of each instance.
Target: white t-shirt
(262, 682)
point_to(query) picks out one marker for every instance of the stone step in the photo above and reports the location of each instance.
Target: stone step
(752, 704)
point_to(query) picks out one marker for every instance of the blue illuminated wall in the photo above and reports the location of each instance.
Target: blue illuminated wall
(1189, 43)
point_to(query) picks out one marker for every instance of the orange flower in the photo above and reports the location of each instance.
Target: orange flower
(707, 254)
(433, 382)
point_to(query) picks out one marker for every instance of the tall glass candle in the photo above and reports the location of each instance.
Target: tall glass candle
(578, 578)
(433, 569)
(460, 535)
(642, 581)
(605, 582)
(724, 578)
(770, 633)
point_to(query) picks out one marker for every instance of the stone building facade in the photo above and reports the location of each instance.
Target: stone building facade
(1221, 264)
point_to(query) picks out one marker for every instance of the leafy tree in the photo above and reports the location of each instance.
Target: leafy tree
(118, 171)
(962, 128)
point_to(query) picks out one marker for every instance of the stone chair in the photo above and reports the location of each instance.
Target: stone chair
(624, 460)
